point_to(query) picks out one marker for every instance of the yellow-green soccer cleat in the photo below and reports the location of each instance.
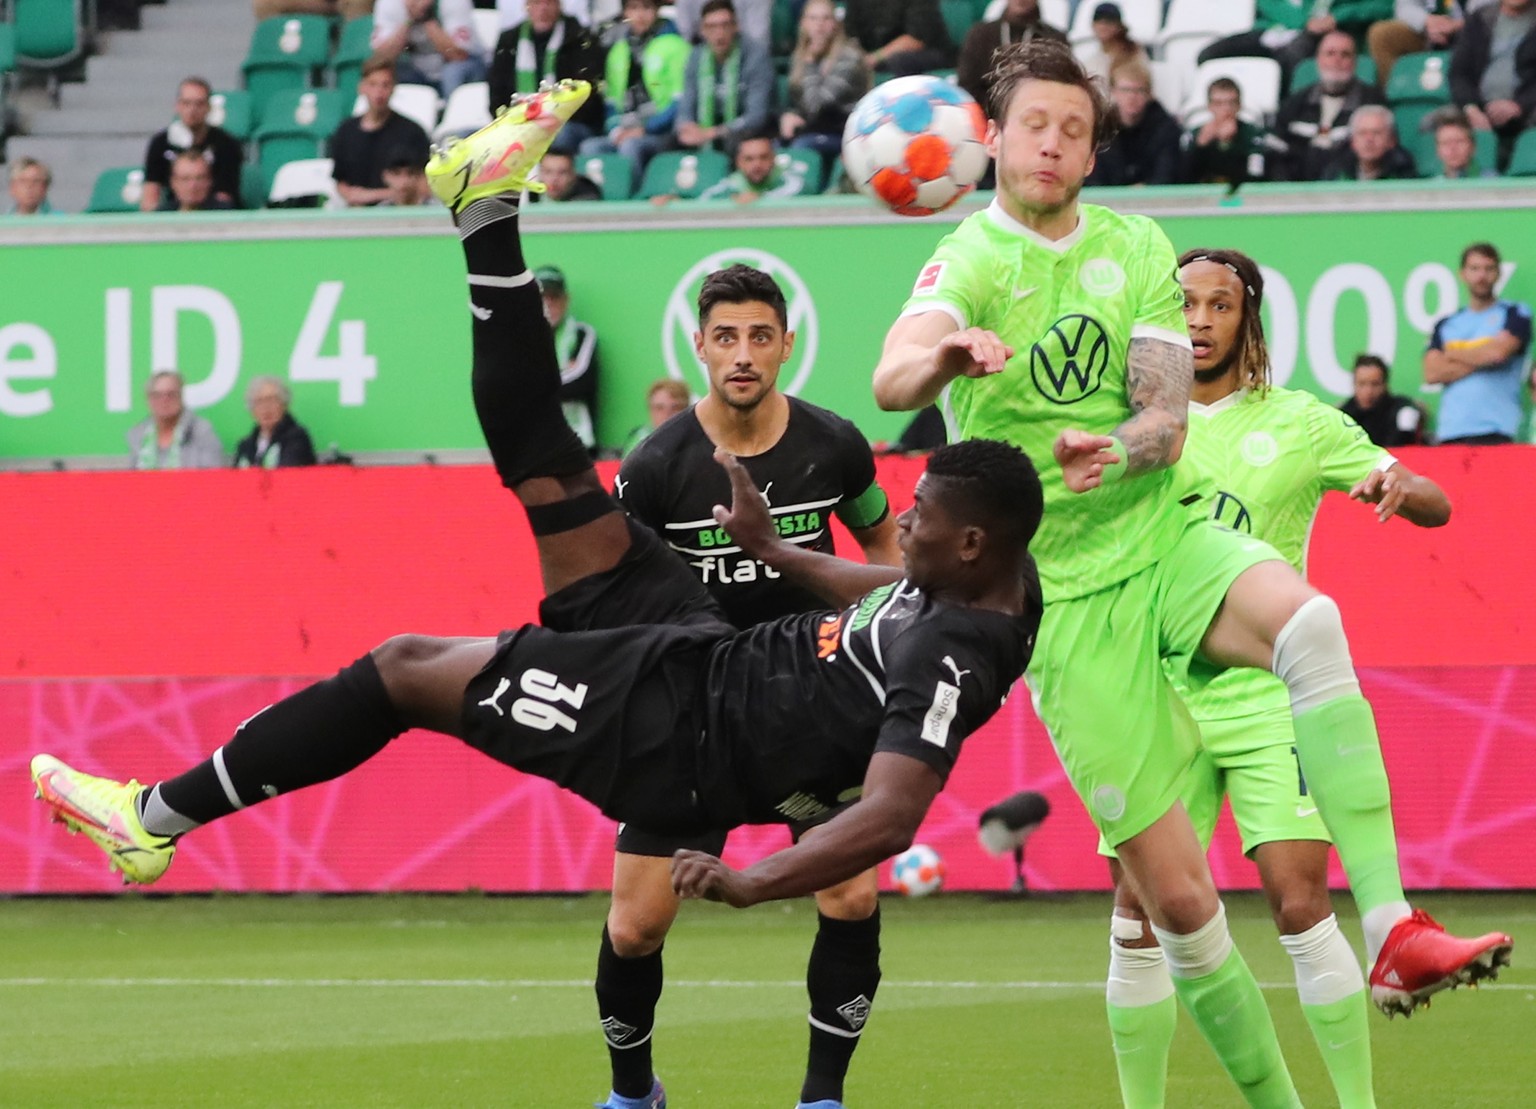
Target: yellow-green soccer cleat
(498, 158)
(105, 811)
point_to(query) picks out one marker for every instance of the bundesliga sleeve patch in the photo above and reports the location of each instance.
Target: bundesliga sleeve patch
(946, 699)
(928, 279)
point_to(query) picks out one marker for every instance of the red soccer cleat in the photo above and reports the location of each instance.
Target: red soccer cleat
(1420, 958)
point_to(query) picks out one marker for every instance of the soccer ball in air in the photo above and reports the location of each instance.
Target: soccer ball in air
(918, 871)
(916, 144)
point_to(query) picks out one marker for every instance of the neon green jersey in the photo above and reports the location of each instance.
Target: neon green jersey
(1271, 457)
(1069, 310)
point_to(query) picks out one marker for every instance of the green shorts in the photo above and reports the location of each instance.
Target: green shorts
(1122, 733)
(1252, 760)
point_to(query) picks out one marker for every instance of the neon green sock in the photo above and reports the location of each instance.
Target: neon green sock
(1340, 756)
(1343, 1035)
(1142, 1037)
(1231, 1014)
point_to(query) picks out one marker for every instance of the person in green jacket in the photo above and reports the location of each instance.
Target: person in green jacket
(1289, 30)
(643, 77)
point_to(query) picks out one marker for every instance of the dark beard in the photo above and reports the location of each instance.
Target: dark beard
(1218, 371)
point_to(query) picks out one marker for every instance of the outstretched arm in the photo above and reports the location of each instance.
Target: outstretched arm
(1399, 491)
(897, 792)
(925, 352)
(1158, 376)
(748, 522)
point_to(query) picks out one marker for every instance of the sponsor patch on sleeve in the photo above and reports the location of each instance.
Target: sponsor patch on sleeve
(946, 701)
(928, 280)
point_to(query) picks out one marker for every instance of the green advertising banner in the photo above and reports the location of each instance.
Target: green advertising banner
(366, 316)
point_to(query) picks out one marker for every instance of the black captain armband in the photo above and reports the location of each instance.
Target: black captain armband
(569, 514)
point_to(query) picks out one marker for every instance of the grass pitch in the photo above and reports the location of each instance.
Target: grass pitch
(475, 1001)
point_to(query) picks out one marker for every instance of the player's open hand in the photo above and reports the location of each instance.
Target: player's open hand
(1083, 457)
(696, 874)
(973, 352)
(747, 520)
(1383, 488)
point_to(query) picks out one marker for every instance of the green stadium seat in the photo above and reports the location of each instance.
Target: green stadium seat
(612, 173)
(683, 173)
(1410, 120)
(296, 126)
(808, 162)
(50, 34)
(958, 17)
(1522, 162)
(254, 185)
(837, 177)
(782, 31)
(351, 52)
(1420, 79)
(7, 47)
(285, 53)
(231, 110)
(117, 190)
(1304, 76)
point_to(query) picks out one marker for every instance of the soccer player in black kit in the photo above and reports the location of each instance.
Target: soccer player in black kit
(635, 692)
(809, 463)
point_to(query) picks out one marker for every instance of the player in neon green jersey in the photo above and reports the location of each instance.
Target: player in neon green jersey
(1059, 327)
(1271, 453)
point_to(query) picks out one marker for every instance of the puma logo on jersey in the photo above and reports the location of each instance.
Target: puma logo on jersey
(766, 501)
(618, 487)
(954, 669)
(490, 702)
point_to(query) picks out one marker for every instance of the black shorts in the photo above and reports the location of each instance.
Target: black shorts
(604, 700)
(634, 840)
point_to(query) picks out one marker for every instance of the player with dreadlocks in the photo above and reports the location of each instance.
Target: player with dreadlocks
(1272, 454)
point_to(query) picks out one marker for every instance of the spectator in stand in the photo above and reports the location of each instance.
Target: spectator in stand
(431, 42)
(757, 175)
(173, 437)
(561, 181)
(191, 131)
(899, 37)
(548, 46)
(1112, 46)
(342, 9)
(29, 184)
(192, 186)
(1373, 153)
(1480, 354)
(1417, 25)
(594, 15)
(727, 86)
(1019, 22)
(277, 440)
(643, 81)
(362, 144)
(405, 179)
(1456, 146)
(755, 18)
(1145, 148)
(663, 400)
(1226, 149)
(1390, 420)
(1291, 30)
(1493, 68)
(826, 79)
(576, 348)
(1314, 123)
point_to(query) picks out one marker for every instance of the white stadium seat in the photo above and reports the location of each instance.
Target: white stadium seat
(468, 109)
(306, 177)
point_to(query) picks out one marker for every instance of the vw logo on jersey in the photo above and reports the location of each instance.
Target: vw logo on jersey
(1259, 448)
(1101, 277)
(1109, 802)
(680, 320)
(1068, 364)
(1230, 512)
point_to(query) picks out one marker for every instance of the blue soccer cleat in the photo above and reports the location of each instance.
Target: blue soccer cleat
(656, 1099)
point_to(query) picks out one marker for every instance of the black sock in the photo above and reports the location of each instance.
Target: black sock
(842, 977)
(516, 379)
(627, 992)
(315, 735)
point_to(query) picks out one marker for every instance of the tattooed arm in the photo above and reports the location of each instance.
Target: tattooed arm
(1158, 376)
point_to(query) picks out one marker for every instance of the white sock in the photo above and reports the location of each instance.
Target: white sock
(1197, 953)
(1378, 922)
(1138, 976)
(159, 819)
(1326, 967)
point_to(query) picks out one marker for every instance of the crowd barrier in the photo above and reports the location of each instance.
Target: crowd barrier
(146, 615)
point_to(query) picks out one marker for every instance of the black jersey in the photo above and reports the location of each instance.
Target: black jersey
(821, 464)
(795, 708)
